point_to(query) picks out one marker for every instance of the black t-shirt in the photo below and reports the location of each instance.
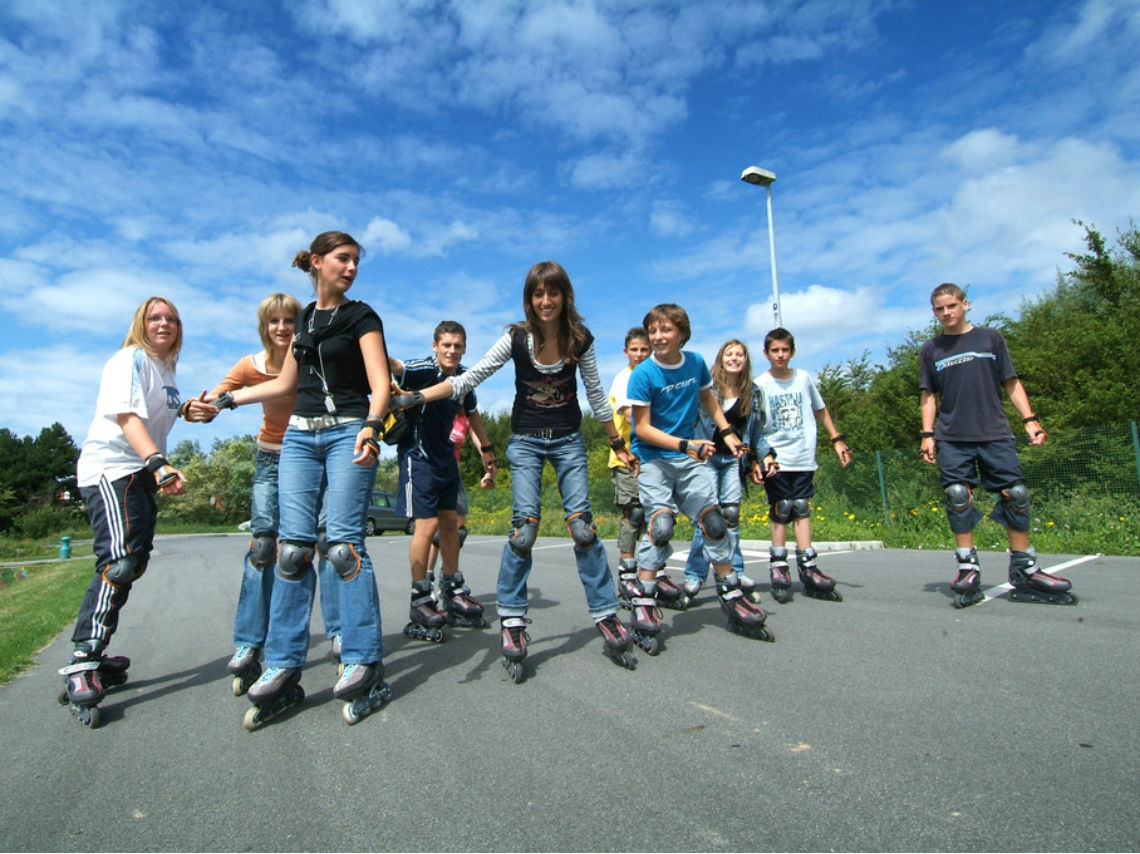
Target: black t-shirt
(966, 372)
(327, 344)
(544, 400)
(430, 436)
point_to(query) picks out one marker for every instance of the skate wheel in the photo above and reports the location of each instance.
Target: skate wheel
(653, 646)
(91, 717)
(61, 698)
(339, 670)
(437, 636)
(349, 714)
(628, 661)
(250, 720)
(238, 687)
(837, 596)
(768, 635)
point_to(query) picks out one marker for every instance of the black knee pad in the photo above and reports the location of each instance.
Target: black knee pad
(1016, 498)
(523, 536)
(462, 535)
(345, 560)
(713, 524)
(262, 550)
(731, 514)
(801, 508)
(125, 570)
(294, 560)
(582, 530)
(959, 497)
(661, 526)
(781, 510)
(635, 515)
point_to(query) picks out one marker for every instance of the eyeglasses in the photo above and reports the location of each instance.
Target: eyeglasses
(159, 318)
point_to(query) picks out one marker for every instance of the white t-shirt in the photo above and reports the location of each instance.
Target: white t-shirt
(791, 405)
(133, 381)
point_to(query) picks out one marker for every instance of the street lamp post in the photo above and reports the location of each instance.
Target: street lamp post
(764, 178)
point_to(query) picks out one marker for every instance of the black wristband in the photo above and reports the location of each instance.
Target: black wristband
(927, 434)
(487, 449)
(617, 443)
(721, 432)
(155, 461)
(1029, 418)
(838, 437)
(684, 446)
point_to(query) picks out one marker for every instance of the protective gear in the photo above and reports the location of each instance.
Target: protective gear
(323, 544)
(523, 537)
(262, 550)
(635, 514)
(782, 510)
(582, 530)
(712, 522)
(661, 526)
(1016, 498)
(125, 570)
(731, 514)
(801, 508)
(462, 535)
(435, 537)
(958, 497)
(345, 560)
(294, 560)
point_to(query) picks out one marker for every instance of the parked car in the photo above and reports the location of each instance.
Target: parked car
(382, 515)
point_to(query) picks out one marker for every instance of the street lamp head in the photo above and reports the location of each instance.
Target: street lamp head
(756, 175)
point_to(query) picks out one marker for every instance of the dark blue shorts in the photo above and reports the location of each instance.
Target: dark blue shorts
(789, 485)
(426, 488)
(996, 466)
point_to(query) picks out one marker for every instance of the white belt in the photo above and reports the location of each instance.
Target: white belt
(320, 422)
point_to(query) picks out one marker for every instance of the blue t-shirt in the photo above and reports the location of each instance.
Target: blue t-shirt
(673, 395)
(430, 437)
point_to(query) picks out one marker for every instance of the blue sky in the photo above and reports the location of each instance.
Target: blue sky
(189, 150)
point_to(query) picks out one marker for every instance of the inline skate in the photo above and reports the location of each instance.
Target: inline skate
(515, 639)
(669, 594)
(617, 640)
(744, 617)
(274, 693)
(690, 587)
(967, 585)
(88, 678)
(461, 608)
(363, 689)
(817, 585)
(427, 621)
(778, 572)
(1031, 584)
(645, 617)
(245, 667)
(627, 581)
(748, 588)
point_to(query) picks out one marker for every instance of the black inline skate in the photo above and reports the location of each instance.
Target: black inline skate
(1031, 584)
(617, 640)
(515, 639)
(748, 588)
(669, 593)
(690, 587)
(88, 678)
(462, 609)
(817, 585)
(627, 582)
(274, 693)
(778, 572)
(427, 621)
(245, 667)
(967, 584)
(363, 689)
(645, 617)
(744, 617)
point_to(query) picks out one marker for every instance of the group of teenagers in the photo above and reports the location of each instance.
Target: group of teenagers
(682, 437)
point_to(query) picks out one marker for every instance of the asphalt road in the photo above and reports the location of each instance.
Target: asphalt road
(889, 721)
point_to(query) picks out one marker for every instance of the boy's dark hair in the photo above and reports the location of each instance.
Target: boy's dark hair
(779, 334)
(947, 289)
(636, 332)
(674, 314)
(449, 327)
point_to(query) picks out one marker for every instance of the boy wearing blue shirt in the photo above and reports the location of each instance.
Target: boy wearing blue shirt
(666, 393)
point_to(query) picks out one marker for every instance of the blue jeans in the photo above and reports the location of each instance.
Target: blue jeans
(251, 622)
(687, 484)
(567, 455)
(726, 469)
(308, 457)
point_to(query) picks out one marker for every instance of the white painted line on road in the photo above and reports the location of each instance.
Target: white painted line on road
(996, 591)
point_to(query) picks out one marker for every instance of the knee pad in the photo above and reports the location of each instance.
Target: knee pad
(435, 537)
(294, 560)
(462, 535)
(661, 526)
(345, 560)
(123, 571)
(635, 515)
(958, 497)
(801, 508)
(323, 544)
(262, 550)
(1016, 498)
(782, 510)
(523, 537)
(731, 514)
(582, 529)
(713, 524)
